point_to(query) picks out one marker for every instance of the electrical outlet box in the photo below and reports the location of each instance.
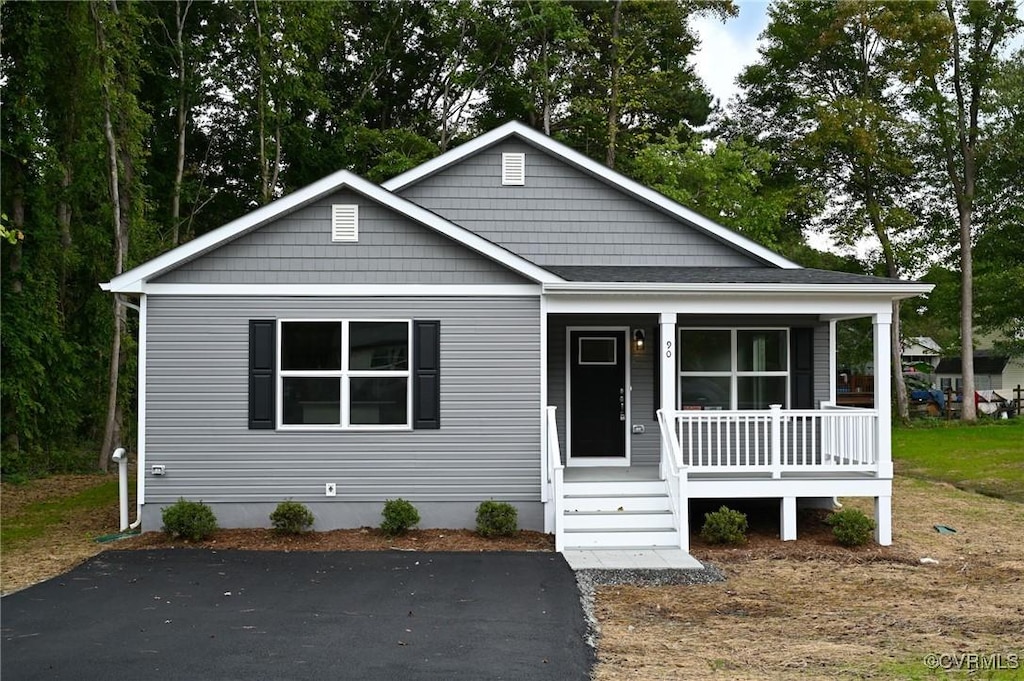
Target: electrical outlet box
(330, 489)
(639, 428)
(158, 469)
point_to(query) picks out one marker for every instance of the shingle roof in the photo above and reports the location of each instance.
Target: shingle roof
(712, 275)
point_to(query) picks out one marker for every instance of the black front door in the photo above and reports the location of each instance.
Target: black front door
(597, 394)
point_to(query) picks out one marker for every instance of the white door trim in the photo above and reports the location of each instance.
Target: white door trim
(570, 460)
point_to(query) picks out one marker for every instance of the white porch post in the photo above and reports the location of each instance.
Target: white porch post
(787, 520)
(667, 364)
(883, 438)
(883, 521)
(883, 397)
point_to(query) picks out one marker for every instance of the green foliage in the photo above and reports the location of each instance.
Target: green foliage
(291, 517)
(851, 527)
(724, 526)
(496, 519)
(724, 181)
(190, 520)
(399, 517)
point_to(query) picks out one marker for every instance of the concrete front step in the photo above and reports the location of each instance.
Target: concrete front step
(616, 520)
(621, 538)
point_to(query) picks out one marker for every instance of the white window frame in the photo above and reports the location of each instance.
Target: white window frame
(734, 374)
(345, 374)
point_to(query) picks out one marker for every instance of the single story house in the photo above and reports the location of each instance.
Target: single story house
(512, 321)
(992, 371)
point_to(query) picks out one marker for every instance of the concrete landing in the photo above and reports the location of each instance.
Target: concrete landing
(630, 559)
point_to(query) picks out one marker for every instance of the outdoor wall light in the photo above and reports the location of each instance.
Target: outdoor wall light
(638, 340)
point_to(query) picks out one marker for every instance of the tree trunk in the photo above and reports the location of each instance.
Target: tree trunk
(899, 391)
(968, 412)
(613, 90)
(111, 430)
(179, 168)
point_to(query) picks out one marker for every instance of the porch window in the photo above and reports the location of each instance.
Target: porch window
(347, 374)
(733, 368)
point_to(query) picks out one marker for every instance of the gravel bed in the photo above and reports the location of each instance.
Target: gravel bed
(589, 580)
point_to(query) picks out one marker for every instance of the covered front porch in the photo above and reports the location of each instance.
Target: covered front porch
(656, 399)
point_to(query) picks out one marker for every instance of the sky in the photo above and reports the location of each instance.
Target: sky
(727, 47)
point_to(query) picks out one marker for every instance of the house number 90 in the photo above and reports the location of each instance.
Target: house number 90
(668, 348)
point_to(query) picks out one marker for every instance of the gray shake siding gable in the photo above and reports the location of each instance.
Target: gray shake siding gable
(563, 216)
(297, 249)
(196, 420)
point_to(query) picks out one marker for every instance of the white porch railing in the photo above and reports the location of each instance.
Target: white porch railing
(775, 440)
(673, 471)
(553, 489)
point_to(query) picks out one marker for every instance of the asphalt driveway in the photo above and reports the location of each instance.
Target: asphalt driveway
(199, 614)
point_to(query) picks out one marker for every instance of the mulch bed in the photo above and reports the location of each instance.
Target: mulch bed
(363, 539)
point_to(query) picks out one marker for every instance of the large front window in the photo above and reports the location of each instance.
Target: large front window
(345, 374)
(733, 368)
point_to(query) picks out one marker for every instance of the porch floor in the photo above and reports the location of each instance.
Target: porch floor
(630, 559)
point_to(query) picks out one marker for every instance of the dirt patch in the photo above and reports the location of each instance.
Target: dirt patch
(65, 544)
(812, 609)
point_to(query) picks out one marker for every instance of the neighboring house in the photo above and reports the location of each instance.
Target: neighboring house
(919, 351)
(992, 371)
(510, 320)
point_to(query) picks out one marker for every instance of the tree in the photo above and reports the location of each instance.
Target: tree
(635, 79)
(825, 89)
(724, 181)
(952, 84)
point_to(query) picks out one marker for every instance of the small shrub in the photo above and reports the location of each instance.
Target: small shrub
(399, 517)
(496, 519)
(291, 517)
(192, 520)
(724, 526)
(851, 527)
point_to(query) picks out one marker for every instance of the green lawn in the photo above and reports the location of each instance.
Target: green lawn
(34, 520)
(987, 458)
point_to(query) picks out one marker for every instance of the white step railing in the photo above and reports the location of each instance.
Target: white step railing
(775, 440)
(674, 471)
(553, 489)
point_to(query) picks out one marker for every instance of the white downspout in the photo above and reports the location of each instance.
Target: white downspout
(140, 468)
(122, 487)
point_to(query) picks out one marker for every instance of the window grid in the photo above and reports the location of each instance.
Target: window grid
(734, 374)
(345, 375)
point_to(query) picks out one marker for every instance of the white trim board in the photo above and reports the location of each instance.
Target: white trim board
(574, 158)
(342, 290)
(133, 280)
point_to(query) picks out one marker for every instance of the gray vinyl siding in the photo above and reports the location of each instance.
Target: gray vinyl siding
(297, 249)
(645, 447)
(563, 216)
(822, 365)
(488, 445)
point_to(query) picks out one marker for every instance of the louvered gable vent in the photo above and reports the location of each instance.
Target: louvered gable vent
(345, 222)
(513, 169)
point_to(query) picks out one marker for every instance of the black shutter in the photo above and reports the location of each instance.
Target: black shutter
(801, 368)
(426, 375)
(262, 354)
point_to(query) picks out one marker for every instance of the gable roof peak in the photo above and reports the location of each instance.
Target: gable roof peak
(598, 170)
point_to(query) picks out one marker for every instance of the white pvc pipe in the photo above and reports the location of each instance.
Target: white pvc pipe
(122, 486)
